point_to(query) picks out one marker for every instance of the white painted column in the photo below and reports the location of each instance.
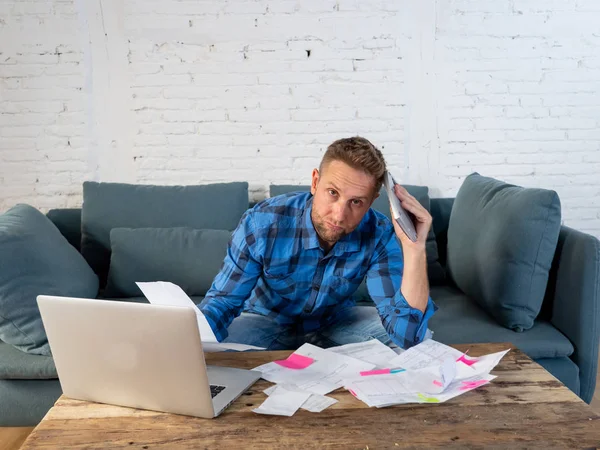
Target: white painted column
(109, 114)
(422, 149)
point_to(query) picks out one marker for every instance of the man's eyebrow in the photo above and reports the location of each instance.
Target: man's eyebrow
(337, 189)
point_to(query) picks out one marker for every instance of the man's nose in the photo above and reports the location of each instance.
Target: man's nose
(339, 212)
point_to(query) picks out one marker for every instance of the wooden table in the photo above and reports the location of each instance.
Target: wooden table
(525, 407)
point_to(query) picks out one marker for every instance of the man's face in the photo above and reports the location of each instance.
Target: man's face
(342, 196)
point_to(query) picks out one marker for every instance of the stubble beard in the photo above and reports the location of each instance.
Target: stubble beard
(325, 233)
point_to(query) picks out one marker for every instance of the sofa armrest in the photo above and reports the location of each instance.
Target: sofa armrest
(574, 295)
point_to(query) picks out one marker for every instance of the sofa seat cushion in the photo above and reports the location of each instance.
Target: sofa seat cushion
(460, 320)
(24, 403)
(187, 257)
(564, 369)
(15, 364)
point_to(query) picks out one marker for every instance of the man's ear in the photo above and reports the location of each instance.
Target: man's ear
(315, 181)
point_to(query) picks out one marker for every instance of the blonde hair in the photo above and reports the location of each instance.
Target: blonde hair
(358, 153)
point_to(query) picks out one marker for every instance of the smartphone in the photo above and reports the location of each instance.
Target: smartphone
(401, 216)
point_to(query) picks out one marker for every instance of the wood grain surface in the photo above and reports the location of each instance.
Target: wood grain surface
(525, 407)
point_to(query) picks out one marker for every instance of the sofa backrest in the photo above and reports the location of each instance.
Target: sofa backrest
(68, 221)
(440, 213)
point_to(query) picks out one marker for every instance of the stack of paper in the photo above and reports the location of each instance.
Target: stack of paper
(165, 293)
(430, 372)
(313, 371)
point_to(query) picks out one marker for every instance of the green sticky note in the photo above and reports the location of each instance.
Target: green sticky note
(428, 399)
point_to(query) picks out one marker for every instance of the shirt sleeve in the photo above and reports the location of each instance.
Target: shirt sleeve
(235, 281)
(405, 325)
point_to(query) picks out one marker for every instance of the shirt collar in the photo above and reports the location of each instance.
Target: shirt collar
(310, 239)
(347, 244)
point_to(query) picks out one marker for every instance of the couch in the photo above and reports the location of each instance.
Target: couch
(180, 234)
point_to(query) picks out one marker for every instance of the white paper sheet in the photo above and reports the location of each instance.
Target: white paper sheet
(166, 293)
(486, 363)
(326, 374)
(282, 402)
(433, 379)
(427, 353)
(387, 390)
(383, 389)
(372, 351)
(315, 403)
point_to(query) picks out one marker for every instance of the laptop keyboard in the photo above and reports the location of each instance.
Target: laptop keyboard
(214, 390)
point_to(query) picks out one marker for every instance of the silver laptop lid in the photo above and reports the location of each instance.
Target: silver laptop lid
(122, 353)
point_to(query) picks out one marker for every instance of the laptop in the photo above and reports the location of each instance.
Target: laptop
(137, 355)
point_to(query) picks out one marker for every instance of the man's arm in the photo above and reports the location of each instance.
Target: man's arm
(397, 279)
(233, 284)
(415, 284)
(398, 297)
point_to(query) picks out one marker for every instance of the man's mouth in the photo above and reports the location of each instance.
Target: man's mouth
(334, 227)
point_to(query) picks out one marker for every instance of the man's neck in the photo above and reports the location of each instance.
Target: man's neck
(326, 246)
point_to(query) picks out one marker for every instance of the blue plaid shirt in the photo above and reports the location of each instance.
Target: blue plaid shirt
(275, 267)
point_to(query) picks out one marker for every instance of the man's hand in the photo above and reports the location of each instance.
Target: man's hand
(415, 285)
(422, 221)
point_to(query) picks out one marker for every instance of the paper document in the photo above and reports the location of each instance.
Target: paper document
(434, 373)
(166, 293)
(388, 390)
(373, 351)
(425, 354)
(484, 364)
(433, 379)
(282, 402)
(325, 374)
(315, 403)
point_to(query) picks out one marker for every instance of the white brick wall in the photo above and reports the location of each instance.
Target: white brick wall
(43, 134)
(182, 92)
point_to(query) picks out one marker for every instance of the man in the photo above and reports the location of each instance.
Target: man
(295, 261)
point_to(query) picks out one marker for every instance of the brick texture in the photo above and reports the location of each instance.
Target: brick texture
(184, 92)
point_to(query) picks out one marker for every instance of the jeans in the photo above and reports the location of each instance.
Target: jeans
(359, 324)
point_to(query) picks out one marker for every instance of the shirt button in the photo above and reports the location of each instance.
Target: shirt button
(397, 311)
(317, 287)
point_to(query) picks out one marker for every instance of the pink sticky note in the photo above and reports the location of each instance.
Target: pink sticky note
(374, 372)
(468, 362)
(472, 384)
(353, 393)
(295, 361)
(437, 383)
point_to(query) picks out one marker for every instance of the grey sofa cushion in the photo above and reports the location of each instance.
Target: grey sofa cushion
(26, 402)
(184, 256)
(15, 364)
(501, 242)
(35, 259)
(116, 205)
(459, 320)
(435, 271)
